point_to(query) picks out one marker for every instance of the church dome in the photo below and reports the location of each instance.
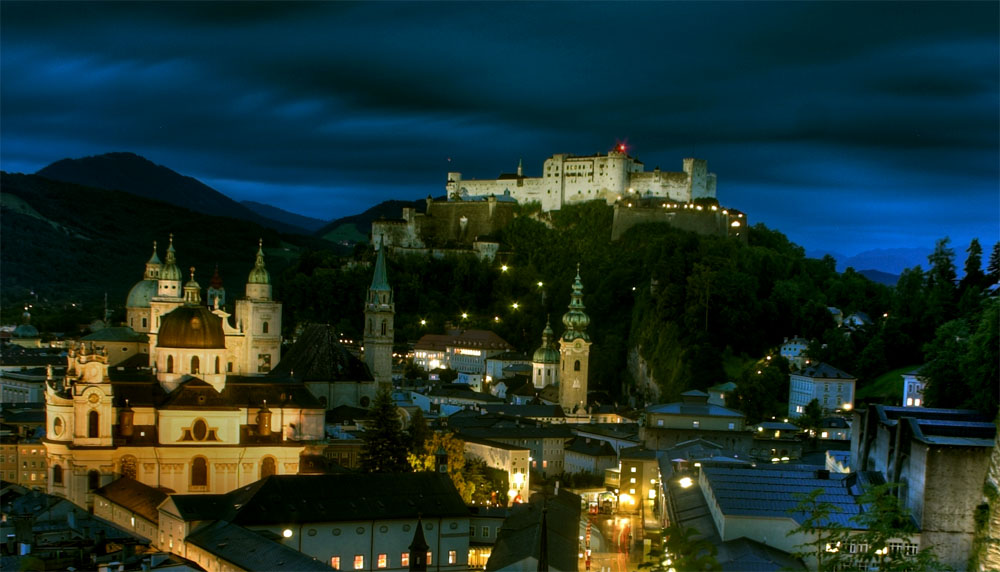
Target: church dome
(191, 327)
(25, 331)
(575, 320)
(140, 294)
(259, 274)
(546, 353)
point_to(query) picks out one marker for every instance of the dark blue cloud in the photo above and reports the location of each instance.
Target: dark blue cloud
(829, 121)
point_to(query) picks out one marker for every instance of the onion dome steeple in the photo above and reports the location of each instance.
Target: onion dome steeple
(259, 274)
(192, 291)
(546, 353)
(575, 319)
(170, 270)
(153, 266)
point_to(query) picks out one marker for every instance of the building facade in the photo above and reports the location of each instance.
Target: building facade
(574, 353)
(380, 310)
(833, 388)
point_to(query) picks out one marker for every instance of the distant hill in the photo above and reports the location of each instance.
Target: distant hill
(133, 174)
(70, 242)
(357, 228)
(887, 260)
(880, 277)
(283, 216)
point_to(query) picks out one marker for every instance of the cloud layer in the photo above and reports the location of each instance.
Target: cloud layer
(846, 125)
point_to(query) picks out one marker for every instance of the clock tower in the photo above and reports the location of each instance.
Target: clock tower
(574, 353)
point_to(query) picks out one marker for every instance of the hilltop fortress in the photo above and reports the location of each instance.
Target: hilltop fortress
(568, 179)
(475, 209)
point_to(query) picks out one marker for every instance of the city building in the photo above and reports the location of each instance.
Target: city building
(515, 460)
(463, 350)
(833, 388)
(587, 455)
(693, 417)
(794, 350)
(568, 179)
(346, 521)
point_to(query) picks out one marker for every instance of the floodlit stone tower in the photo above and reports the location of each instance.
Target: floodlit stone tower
(574, 349)
(545, 361)
(379, 311)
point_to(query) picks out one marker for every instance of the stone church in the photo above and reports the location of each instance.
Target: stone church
(568, 366)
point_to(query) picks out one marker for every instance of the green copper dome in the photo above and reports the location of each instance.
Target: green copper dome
(575, 320)
(170, 270)
(140, 294)
(259, 274)
(546, 353)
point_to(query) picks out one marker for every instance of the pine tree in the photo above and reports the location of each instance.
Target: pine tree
(974, 265)
(385, 445)
(993, 267)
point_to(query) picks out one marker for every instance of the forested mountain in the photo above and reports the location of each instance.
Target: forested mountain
(136, 175)
(274, 213)
(72, 244)
(355, 229)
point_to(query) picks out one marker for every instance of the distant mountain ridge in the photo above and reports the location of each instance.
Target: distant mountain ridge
(131, 173)
(283, 216)
(885, 263)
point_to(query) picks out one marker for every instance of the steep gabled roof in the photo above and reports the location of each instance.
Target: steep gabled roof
(135, 496)
(318, 355)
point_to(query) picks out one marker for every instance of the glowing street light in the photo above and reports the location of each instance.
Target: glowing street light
(465, 316)
(515, 305)
(503, 268)
(540, 284)
(423, 322)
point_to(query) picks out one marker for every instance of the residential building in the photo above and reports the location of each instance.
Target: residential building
(941, 457)
(794, 350)
(504, 365)
(694, 417)
(833, 388)
(587, 455)
(515, 460)
(463, 350)
(540, 535)
(913, 388)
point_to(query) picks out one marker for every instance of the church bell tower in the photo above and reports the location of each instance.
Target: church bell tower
(574, 350)
(379, 311)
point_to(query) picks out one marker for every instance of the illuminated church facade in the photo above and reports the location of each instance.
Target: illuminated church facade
(201, 418)
(567, 367)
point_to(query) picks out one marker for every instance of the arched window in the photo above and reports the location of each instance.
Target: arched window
(264, 328)
(57, 477)
(199, 472)
(383, 327)
(576, 366)
(129, 466)
(170, 364)
(94, 424)
(195, 365)
(216, 364)
(268, 467)
(93, 480)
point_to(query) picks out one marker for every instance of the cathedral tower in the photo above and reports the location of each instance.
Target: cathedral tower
(574, 349)
(379, 311)
(259, 317)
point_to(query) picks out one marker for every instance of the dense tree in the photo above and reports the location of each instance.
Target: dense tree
(941, 292)
(886, 520)
(442, 442)
(963, 362)
(418, 431)
(384, 445)
(974, 276)
(811, 417)
(993, 267)
(688, 550)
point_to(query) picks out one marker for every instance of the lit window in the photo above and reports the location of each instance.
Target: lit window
(659, 422)
(696, 424)
(428, 557)
(631, 491)
(824, 435)
(359, 561)
(405, 560)
(732, 426)
(545, 464)
(916, 402)
(335, 562)
(632, 480)
(383, 560)
(632, 469)
(452, 557)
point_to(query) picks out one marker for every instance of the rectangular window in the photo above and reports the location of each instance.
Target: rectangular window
(545, 464)
(732, 426)
(404, 559)
(472, 530)
(631, 491)
(429, 558)
(696, 424)
(359, 561)
(486, 532)
(383, 560)
(632, 480)
(632, 469)
(452, 557)
(659, 422)
(335, 562)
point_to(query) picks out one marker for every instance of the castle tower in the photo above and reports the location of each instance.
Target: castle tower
(259, 317)
(379, 311)
(545, 362)
(574, 349)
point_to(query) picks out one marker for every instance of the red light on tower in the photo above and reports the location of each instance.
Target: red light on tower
(621, 147)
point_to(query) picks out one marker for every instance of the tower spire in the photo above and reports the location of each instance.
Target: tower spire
(380, 282)
(380, 310)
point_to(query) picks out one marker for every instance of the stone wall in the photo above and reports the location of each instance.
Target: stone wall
(704, 220)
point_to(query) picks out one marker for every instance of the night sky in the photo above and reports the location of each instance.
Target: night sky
(847, 126)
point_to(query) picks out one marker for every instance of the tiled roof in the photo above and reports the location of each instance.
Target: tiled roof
(527, 410)
(475, 339)
(590, 447)
(249, 550)
(702, 409)
(135, 496)
(824, 371)
(318, 355)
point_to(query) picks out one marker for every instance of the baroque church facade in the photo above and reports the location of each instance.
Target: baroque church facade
(203, 417)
